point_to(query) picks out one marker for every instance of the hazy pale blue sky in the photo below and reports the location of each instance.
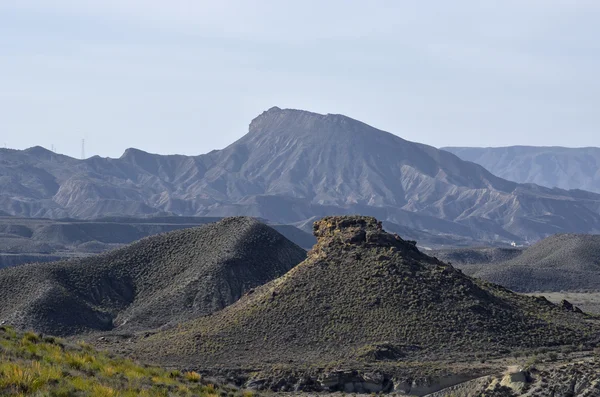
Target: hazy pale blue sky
(187, 76)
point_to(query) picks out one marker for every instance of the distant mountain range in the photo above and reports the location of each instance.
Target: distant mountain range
(293, 167)
(565, 168)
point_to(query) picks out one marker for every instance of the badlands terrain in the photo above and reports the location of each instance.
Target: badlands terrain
(293, 167)
(245, 270)
(154, 282)
(363, 311)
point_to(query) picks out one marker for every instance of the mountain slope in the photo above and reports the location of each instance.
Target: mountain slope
(566, 262)
(565, 168)
(364, 296)
(293, 166)
(155, 281)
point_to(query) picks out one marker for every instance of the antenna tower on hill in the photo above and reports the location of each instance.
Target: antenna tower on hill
(83, 149)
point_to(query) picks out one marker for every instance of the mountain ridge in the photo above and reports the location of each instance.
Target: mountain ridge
(27, 240)
(551, 166)
(293, 166)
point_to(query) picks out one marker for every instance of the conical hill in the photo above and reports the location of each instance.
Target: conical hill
(364, 295)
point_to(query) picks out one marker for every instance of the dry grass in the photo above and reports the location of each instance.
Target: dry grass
(34, 365)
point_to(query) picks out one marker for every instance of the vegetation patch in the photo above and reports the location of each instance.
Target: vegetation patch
(31, 364)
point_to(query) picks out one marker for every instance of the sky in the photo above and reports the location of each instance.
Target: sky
(188, 76)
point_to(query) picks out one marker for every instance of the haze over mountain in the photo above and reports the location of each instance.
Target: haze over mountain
(156, 281)
(565, 168)
(294, 166)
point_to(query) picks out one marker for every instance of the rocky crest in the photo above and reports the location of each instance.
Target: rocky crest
(363, 230)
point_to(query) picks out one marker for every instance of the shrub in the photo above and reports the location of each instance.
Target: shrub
(103, 391)
(9, 331)
(531, 362)
(27, 378)
(193, 376)
(174, 374)
(30, 337)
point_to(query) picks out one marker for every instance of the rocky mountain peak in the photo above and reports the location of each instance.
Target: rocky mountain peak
(132, 153)
(294, 121)
(293, 166)
(39, 151)
(331, 225)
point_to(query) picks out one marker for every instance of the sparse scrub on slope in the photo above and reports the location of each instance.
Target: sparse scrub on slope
(366, 297)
